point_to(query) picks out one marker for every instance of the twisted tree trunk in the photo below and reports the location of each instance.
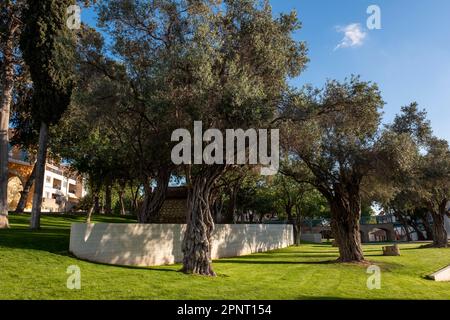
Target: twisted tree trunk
(438, 212)
(149, 212)
(440, 237)
(345, 217)
(26, 191)
(200, 224)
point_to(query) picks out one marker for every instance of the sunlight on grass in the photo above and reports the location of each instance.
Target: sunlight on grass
(33, 266)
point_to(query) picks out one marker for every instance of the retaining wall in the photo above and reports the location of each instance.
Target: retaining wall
(159, 244)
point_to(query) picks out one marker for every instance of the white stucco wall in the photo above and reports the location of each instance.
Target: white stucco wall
(159, 244)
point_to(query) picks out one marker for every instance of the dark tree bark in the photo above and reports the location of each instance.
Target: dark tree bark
(440, 237)
(427, 226)
(345, 217)
(200, 224)
(26, 191)
(295, 221)
(149, 212)
(35, 222)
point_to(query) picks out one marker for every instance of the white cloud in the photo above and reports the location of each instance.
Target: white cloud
(354, 36)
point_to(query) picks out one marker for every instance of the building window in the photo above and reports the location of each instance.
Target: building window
(57, 184)
(72, 188)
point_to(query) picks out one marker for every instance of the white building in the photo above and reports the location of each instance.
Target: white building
(62, 189)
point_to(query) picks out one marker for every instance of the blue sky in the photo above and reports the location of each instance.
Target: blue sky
(409, 57)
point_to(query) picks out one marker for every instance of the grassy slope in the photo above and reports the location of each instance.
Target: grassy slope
(33, 266)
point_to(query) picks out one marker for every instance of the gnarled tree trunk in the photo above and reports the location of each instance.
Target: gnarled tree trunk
(35, 222)
(345, 217)
(440, 237)
(200, 224)
(26, 191)
(154, 199)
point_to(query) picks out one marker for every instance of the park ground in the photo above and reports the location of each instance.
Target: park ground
(33, 265)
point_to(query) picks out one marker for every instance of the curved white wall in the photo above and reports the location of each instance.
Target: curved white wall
(159, 244)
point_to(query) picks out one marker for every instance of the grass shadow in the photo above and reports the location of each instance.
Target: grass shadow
(250, 261)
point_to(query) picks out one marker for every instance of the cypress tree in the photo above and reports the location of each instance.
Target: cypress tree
(48, 49)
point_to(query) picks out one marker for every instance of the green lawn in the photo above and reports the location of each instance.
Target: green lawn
(33, 266)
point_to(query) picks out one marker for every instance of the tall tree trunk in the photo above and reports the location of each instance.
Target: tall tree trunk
(35, 222)
(200, 224)
(440, 237)
(89, 214)
(134, 201)
(5, 106)
(108, 197)
(95, 202)
(26, 191)
(294, 221)
(298, 227)
(345, 217)
(149, 212)
(121, 193)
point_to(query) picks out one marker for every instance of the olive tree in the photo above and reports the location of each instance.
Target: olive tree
(334, 142)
